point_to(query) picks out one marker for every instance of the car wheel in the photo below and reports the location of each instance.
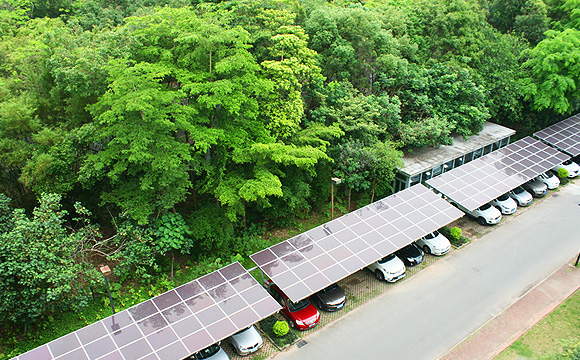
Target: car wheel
(379, 275)
(427, 249)
(481, 221)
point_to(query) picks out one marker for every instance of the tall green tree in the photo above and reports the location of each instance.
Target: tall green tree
(553, 72)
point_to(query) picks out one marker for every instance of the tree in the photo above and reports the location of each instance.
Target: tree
(553, 72)
(40, 271)
(527, 18)
(172, 234)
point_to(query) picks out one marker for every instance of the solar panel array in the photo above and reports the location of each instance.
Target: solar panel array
(172, 325)
(564, 135)
(311, 261)
(484, 179)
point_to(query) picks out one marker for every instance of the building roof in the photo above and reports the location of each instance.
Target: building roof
(420, 160)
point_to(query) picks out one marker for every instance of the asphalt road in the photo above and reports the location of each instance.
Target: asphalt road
(425, 316)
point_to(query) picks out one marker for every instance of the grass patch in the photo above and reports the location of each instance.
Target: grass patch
(556, 333)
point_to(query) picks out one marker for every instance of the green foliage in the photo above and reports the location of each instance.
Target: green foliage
(562, 173)
(455, 233)
(280, 328)
(172, 233)
(528, 18)
(211, 231)
(553, 72)
(40, 268)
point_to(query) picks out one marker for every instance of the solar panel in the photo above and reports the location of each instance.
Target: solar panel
(172, 325)
(484, 179)
(311, 261)
(564, 135)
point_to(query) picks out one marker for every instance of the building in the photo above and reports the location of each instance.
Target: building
(423, 164)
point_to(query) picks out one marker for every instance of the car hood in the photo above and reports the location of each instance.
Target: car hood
(537, 185)
(490, 213)
(509, 203)
(307, 313)
(523, 195)
(440, 242)
(247, 338)
(331, 297)
(393, 266)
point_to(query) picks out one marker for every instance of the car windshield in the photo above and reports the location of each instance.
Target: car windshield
(518, 190)
(567, 162)
(207, 352)
(432, 235)
(548, 175)
(293, 307)
(504, 197)
(328, 288)
(386, 258)
(484, 207)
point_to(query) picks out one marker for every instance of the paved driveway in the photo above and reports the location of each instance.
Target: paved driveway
(428, 314)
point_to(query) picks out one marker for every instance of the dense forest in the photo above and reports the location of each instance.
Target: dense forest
(165, 135)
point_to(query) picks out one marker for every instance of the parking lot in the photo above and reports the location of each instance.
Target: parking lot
(362, 285)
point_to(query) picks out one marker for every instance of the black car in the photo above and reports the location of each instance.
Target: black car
(331, 298)
(410, 254)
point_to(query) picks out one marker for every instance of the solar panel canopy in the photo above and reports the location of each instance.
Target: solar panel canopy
(170, 326)
(564, 135)
(484, 179)
(311, 261)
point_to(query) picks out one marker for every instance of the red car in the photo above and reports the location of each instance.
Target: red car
(301, 315)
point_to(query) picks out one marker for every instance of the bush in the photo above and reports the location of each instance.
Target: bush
(280, 328)
(563, 173)
(455, 233)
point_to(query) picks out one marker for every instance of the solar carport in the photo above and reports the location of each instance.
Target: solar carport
(482, 180)
(311, 261)
(564, 136)
(172, 325)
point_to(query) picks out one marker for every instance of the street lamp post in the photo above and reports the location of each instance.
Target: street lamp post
(106, 271)
(333, 181)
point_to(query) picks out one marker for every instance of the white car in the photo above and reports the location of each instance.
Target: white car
(389, 268)
(212, 352)
(572, 167)
(486, 214)
(549, 179)
(505, 204)
(434, 243)
(246, 341)
(520, 195)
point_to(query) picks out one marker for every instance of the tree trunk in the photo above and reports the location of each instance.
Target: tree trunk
(373, 193)
(172, 260)
(349, 196)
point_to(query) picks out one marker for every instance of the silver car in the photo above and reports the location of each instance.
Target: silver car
(521, 196)
(246, 341)
(536, 187)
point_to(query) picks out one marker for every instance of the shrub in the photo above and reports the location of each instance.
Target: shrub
(455, 233)
(280, 328)
(563, 173)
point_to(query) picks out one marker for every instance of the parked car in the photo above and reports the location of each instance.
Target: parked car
(521, 196)
(301, 315)
(549, 179)
(410, 254)
(389, 268)
(536, 187)
(572, 167)
(212, 352)
(434, 243)
(331, 298)
(247, 341)
(486, 214)
(505, 204)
